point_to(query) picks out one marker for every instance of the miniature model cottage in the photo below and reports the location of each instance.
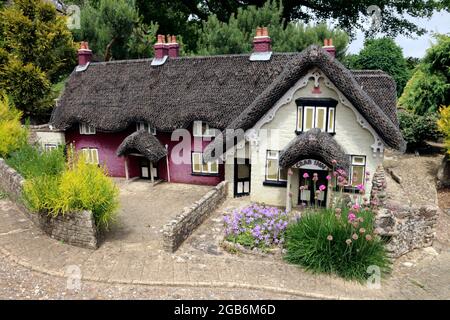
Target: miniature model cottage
(252, 118)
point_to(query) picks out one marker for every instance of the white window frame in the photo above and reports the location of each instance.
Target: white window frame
(331, 120)
(86, 129)
(141, 125)
(50, 147)
(325, 117)
(300, 121)
(313, 121)
(209, 164)
(277, 158)
(357, 164)
(88, 152)
(197, 130)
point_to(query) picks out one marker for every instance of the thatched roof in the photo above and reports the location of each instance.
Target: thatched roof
(314, 144)
(144, 143)
(227, 91)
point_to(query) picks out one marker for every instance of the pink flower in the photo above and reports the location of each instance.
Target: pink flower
(305, 175)
(322, 187)
(334, 162)
(356, 207)
(328, 177)
(315, 177)
(302, 188)
(351, 216)
(360, 187)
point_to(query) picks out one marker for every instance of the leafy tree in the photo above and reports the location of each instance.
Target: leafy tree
(36, 50)
(114, 29)
(236, 36)
(386, 55)
(429, 87)
(343, 12)
(12, 134)
(444, 125)
(416, 129)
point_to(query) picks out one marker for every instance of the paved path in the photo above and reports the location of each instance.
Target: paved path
(424, 276)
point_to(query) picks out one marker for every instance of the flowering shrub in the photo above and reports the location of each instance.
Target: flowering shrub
(256, 226)
(341, 241)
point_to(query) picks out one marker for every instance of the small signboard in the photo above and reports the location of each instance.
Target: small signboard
(311, 164)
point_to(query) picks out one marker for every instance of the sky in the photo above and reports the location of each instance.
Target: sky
(414, 47)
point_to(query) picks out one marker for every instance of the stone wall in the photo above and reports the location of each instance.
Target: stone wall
(405, 226)
(77, 228)
(182, 226)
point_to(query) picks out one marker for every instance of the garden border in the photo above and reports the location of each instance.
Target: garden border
(75, 228)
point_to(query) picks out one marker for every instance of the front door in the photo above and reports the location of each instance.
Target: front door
(242, 172)
(145, 169)
(307, 184)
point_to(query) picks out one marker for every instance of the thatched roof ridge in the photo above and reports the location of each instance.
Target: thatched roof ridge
(341, 77)
(314, 144)
(144, 143)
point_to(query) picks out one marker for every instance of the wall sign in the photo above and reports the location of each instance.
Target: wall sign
(310, 164)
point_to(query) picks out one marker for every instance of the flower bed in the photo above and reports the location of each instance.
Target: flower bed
(256, 226)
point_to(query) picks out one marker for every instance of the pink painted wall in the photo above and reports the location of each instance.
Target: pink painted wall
(107, 144)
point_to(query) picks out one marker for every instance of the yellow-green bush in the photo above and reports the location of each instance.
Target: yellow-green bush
(12, 134)
(81, 186)
(444, 125)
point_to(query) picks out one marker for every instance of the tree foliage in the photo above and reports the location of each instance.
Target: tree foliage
(383, 54)
(346, 14)
(444, 125)
(236, 35)
(429, 87)
(12, 134)
(36, 50)
(416, 129)
(115, 30)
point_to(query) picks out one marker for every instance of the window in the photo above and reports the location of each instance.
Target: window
(86, 129)
(50, 146)
(141, 125)
(316, 113)
(357, 170)
(200, 167)
(202, 129)
(91, 155)
(273, 171)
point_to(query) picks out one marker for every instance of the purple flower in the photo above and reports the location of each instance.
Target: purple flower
(351, 216)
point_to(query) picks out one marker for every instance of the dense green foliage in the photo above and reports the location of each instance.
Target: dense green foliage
(236, 35)
(416, 129)
(383, 54)
(429, 87)
(346, 14)
(56, 188)
(31, 162)
(444, 125)
(12, 134)
(327, 242)
(36, 50)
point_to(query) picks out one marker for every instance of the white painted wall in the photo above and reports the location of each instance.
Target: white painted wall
(276, 134)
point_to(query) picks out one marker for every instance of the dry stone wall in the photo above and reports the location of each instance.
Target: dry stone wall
(182, 226)
(75, 228)
(405, 226)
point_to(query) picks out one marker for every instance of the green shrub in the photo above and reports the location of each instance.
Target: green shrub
(327, 242)
(51, 187)
(31, 162)
(416, 128)
(12, 134)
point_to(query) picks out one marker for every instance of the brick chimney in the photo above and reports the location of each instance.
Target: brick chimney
(328, 47)
(84, 54)
(173, 47)
(160, 47)
(262, 41)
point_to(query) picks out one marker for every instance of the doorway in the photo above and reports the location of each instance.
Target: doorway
(242, 173)
(146, 167)
(307, 195)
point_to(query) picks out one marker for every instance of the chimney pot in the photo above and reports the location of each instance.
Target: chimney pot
(173, 47)
(328, 47)
(262, 41)
(84, 54)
